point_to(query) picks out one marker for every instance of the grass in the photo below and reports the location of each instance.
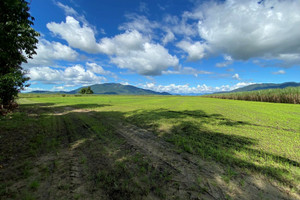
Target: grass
(286, 95)
(34, 185)
(33, 132)
(258, 137)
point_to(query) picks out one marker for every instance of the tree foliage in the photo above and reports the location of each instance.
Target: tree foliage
(87, 90)
(17, 43)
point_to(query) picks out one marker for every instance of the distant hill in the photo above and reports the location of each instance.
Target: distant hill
(48, 92)
(111, 88)
(264, 86)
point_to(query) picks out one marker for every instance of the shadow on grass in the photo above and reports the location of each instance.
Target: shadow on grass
(37, 105)
(231, 150)
(28, 138)
(89, 106)
(148, 119)
(48, 108)
(189, 133)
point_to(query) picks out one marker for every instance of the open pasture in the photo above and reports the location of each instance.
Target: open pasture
(242, 139)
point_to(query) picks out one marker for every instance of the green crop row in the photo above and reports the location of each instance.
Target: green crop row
(286, 95)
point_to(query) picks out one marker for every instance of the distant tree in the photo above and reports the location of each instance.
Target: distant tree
(82, 91)
(17, 43)
(87, 90)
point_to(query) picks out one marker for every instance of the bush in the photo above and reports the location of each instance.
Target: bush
(87, 90)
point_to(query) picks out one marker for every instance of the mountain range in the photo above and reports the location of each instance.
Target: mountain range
(119, 89)
(109, 88)
(264, 86)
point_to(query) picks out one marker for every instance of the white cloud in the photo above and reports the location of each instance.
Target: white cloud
(169, 37)
(58, 88)
(186, 71)
(186, 89)
(151, 61)
(196, 50)
(68, 10)
(240, 84)
(47, 52)
(122, 44)
(132, 51)
(279, 72)
(75, 75)
(45, 75)
(77, 36)
(125, 83)
(97, 69)
(139, 23)
(228, 61)
(30, 89)
(248, 29)
(180, 26)
(236, 77)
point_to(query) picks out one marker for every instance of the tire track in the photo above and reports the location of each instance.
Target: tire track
(162, 153)
(189, 168)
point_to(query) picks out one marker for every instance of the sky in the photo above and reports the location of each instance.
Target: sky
(175, 46)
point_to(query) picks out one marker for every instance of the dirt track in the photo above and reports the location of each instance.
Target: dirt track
(74, 171)
(189, 169)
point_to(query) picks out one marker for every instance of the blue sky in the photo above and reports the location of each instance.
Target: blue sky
(176, 46)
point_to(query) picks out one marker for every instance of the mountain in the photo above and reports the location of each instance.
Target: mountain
(111, 88)
(48, 92)
(264, 86)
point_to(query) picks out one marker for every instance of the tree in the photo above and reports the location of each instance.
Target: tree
(82, 91)
(87, 90)
(17, 43)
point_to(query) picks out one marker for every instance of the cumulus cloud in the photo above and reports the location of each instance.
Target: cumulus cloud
(279, 72)
(97, 69)
(169, 37)
(123, 43)
(187, 71)
(77, 36)
(75, 75)
(196, 50)
(47, 52)
(139, 23)
(186, 89)
(180, 26)
(132, 51)
(45, 74)
(268, 29)
(228, 61)
(236, 77)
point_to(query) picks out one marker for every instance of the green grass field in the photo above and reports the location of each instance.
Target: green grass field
(254, 137)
